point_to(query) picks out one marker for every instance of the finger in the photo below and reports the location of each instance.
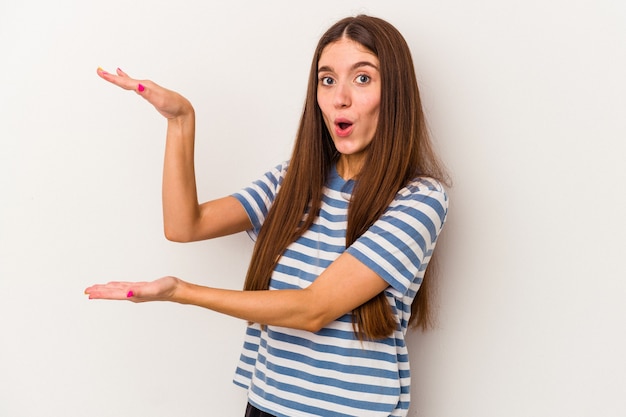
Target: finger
(110, 291)
(99, 287)
(106, 293)
(139, 87)
(121, 79)
(121, 73)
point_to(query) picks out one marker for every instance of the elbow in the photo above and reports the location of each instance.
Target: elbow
(313, 313)
(174, 235)
(313, 326)
(315, 320)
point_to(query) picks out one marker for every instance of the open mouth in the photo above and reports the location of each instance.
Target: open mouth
(343, 127)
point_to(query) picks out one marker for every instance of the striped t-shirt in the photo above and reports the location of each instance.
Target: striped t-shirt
(330, 373)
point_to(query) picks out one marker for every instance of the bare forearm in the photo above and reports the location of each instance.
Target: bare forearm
(346, 284)
(286, 308)
(181, 211)
(180, 199)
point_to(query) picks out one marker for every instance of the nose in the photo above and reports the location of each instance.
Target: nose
(342, 98)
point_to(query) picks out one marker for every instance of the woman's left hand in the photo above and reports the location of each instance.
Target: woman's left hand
(162, 289)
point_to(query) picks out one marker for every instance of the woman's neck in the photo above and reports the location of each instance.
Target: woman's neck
(349, 166)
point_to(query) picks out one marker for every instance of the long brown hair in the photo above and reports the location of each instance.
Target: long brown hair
(400, 151)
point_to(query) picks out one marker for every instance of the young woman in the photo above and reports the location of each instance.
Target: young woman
(344, 233)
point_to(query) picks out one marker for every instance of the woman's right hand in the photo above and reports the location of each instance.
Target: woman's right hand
(169, 104)
(184, 219)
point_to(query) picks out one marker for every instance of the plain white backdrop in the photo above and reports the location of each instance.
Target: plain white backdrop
(526, 103)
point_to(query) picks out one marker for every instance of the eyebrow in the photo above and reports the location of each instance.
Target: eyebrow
(352, 68)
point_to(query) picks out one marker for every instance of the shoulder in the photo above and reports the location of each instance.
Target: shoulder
(423, 195)
(278, 172)
(272, 179)
(421, 187)
(423, 184)
(282, 167)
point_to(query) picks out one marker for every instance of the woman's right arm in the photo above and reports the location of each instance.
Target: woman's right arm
(184, 219)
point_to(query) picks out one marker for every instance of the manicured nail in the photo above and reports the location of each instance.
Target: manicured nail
(102, 71)
(130, 294)
(140, 88)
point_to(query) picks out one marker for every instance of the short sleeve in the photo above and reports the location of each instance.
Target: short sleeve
(257, 198)
(399, 245)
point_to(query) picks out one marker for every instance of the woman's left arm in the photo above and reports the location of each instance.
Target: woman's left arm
(344, 285)
(388, 254)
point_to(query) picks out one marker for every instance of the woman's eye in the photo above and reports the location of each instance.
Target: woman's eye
(327, 81)
(362, 79)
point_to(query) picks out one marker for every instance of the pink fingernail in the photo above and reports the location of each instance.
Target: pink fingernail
(130, 294)
(140, 88)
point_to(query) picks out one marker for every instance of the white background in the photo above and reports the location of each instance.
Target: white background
(526, 103)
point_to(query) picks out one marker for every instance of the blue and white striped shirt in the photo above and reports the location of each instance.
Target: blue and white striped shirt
(296, 373)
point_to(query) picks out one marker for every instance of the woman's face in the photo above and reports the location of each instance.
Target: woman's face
(348, 94)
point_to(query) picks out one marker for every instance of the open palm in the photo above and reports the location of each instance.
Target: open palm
(161, 289)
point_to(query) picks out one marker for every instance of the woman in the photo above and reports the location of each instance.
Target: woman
(345, 230)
